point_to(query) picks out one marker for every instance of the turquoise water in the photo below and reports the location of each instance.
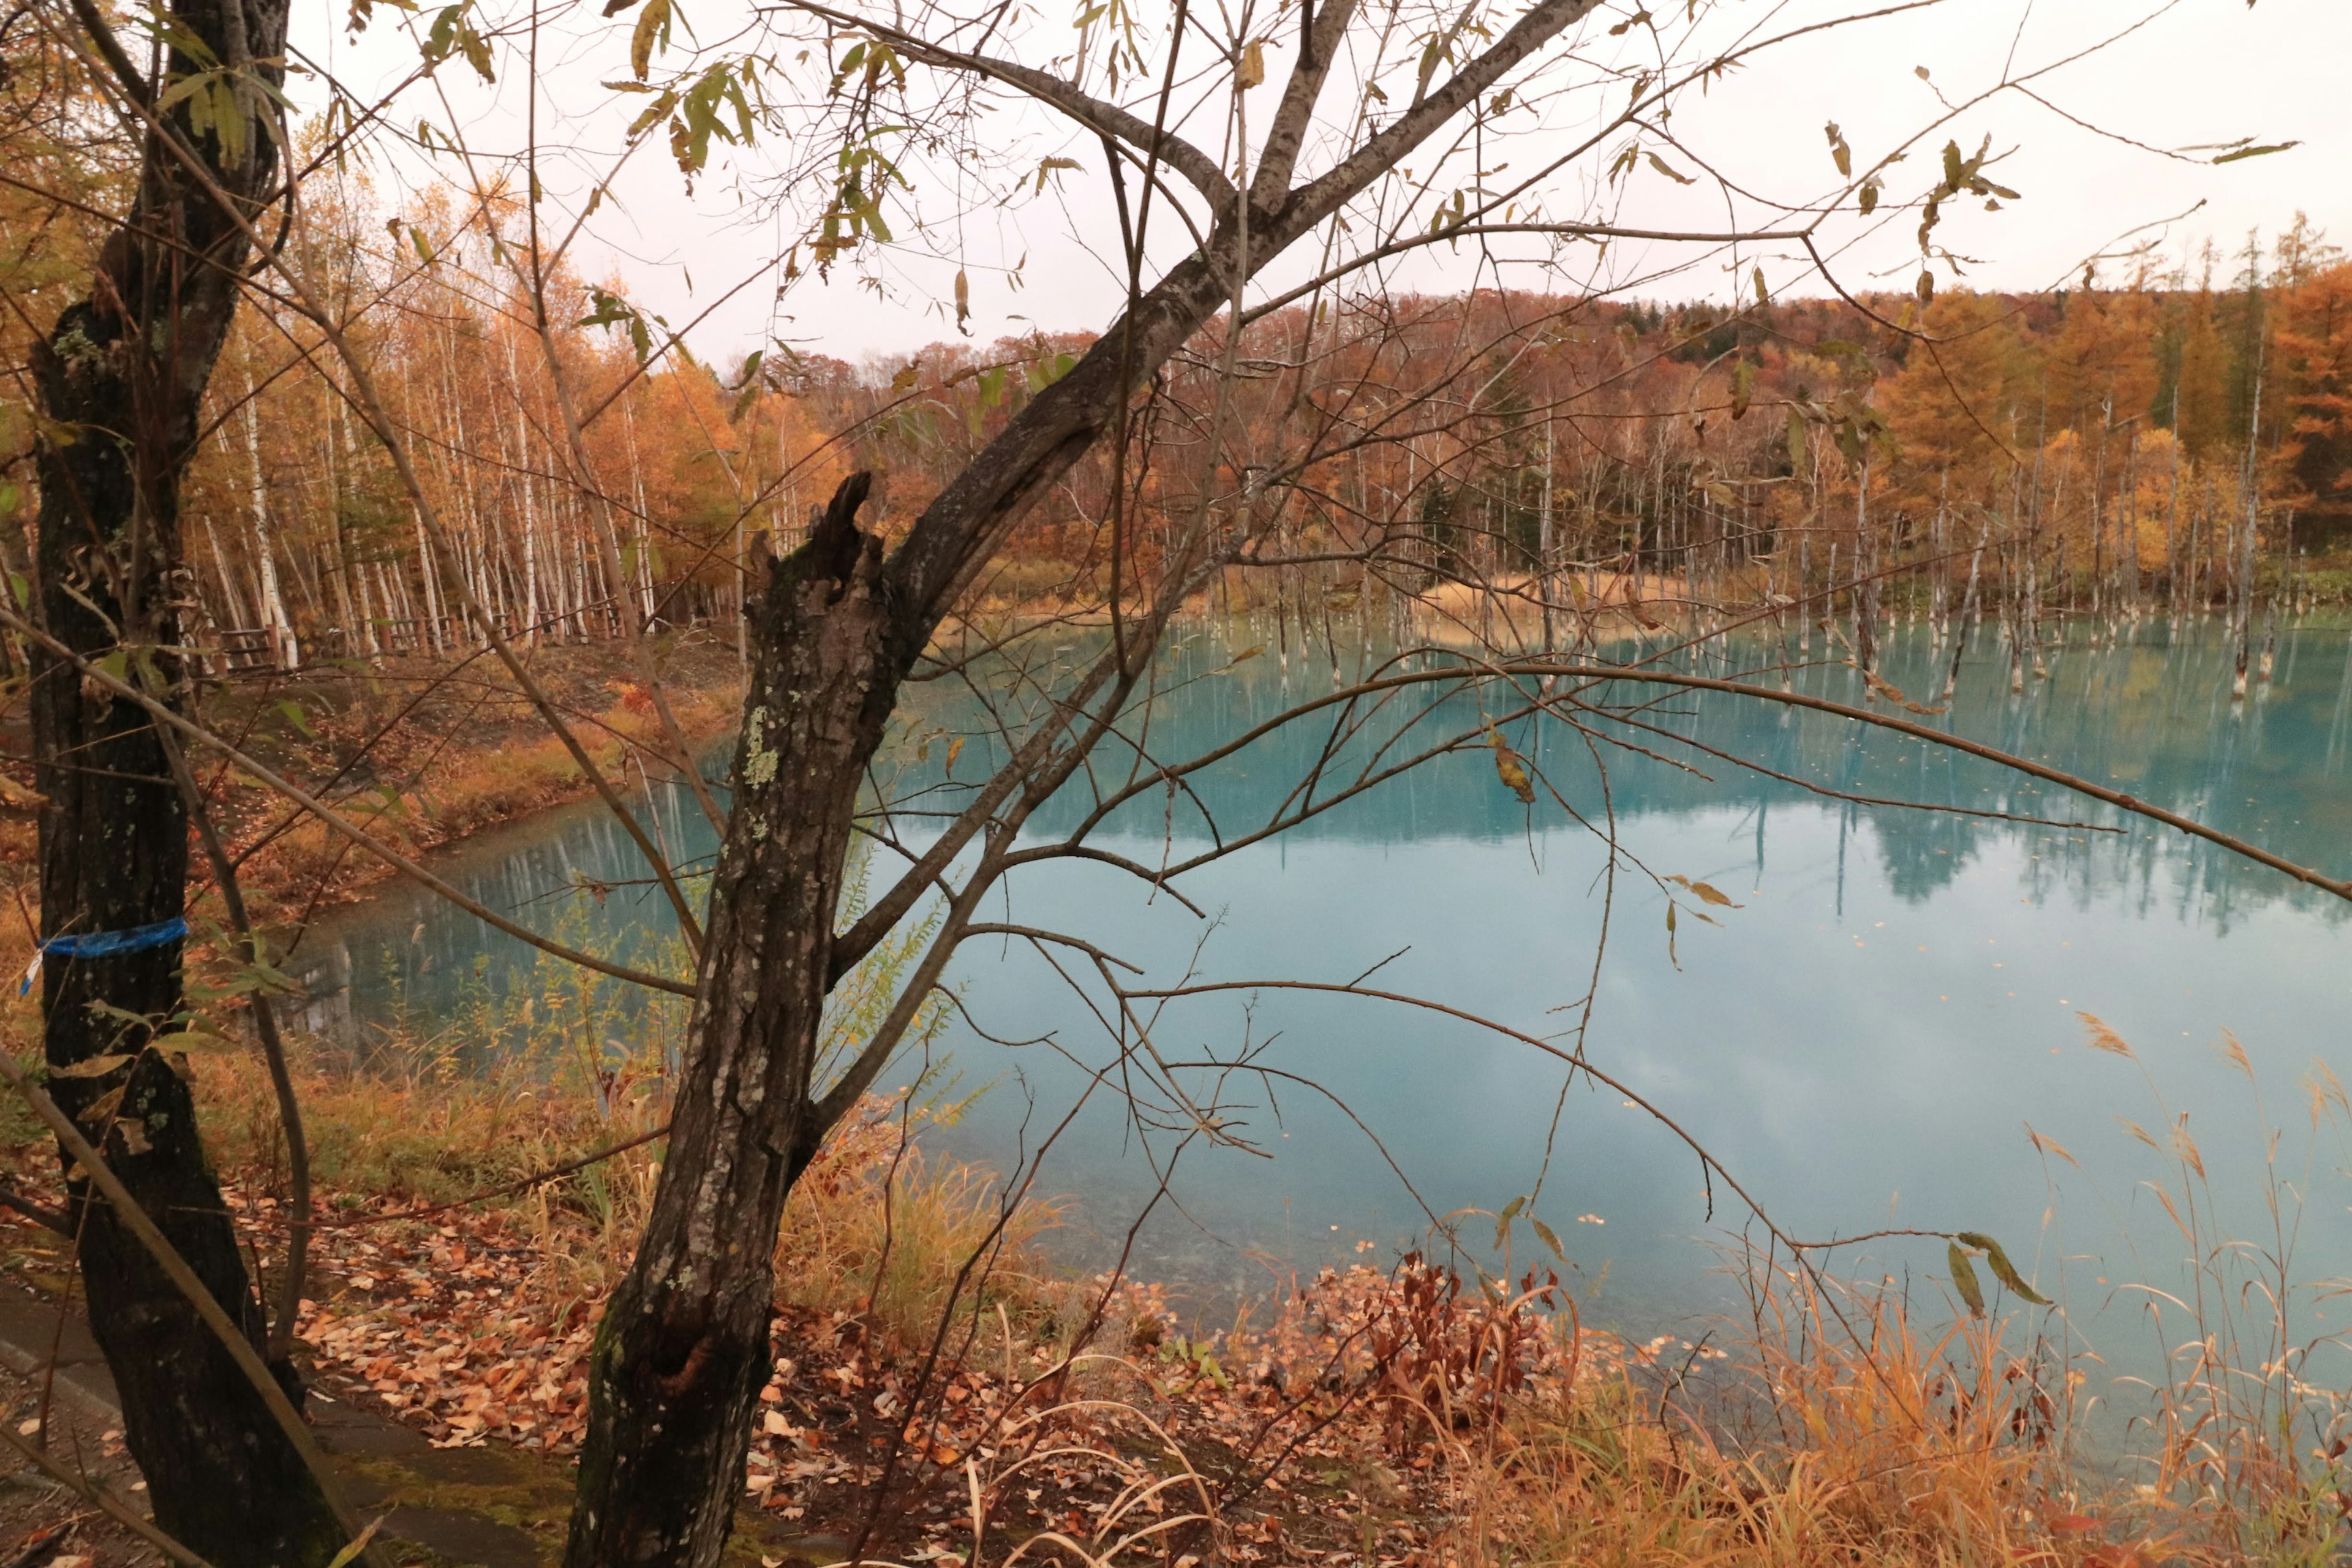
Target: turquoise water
(1861, 1042)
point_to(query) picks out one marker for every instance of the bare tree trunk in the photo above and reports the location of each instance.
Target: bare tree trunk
(284, 651)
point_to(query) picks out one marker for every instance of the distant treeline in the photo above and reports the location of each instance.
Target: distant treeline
(2165, 443)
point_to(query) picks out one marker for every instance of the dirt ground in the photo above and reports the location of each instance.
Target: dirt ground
(42, 1523)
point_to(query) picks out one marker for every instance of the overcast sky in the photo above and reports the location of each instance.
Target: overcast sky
(2204, 71)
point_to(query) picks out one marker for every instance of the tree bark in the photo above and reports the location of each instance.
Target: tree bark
(120, 378)
(683, 1350)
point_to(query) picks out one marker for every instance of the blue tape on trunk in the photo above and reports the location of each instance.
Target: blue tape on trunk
(106, 944)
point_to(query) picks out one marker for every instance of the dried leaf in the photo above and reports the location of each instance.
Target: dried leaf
(2237, 1055)
(2185, 1147)
(1668, 170)
(2049, 1145)
(1252, 69)
(1512, 769)
(89, 1067)
(652, 22)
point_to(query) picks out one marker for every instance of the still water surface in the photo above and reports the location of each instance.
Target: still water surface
(1863, 1041)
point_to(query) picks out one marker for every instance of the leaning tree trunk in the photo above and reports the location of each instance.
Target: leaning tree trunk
(121, 379)
(683, 1349)
(683, 1352)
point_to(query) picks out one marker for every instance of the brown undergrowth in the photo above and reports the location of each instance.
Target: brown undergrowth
(420, 750)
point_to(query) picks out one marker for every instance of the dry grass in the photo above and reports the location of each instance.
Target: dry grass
(1878, 1444)
(877, 1229)
(907, 1239)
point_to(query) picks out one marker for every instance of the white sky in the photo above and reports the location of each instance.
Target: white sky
(2203, 72)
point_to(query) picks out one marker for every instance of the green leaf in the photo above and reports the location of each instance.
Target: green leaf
(192, 1040)
(2263, 151)
(1964, 1280)
(1502, 1220)
(1668, 170)
(1544, 1232)
(293, 713)
(1869, 197)
(2002, 1268)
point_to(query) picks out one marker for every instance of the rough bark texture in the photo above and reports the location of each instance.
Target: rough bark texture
(120, 378)
(683, 1352)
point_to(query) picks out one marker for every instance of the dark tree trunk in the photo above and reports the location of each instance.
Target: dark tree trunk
(683, 1352)
(683, 1349)
(120, 378)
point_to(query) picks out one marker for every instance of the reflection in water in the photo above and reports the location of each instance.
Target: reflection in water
(1863, 1041)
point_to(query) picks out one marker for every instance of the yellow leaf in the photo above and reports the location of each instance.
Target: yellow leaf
(1252, 66)
(89, 1067)
(192, 1040)
(652, 21)
(359, 1543)
(1512, 769)
(1707, 893)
